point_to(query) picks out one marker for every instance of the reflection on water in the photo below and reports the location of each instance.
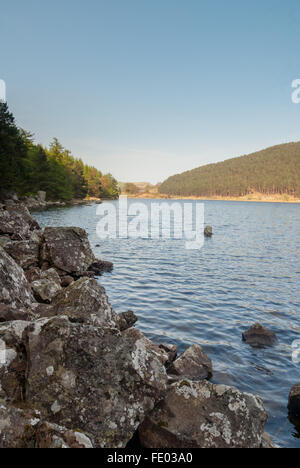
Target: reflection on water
(248, 272)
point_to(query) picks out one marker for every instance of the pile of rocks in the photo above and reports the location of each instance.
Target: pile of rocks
(74, 373)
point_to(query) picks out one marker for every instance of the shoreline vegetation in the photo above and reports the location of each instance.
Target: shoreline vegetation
(27, 168)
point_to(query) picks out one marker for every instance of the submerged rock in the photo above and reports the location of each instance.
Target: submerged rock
(259, 336)
(92, 379)
(194, 364)
(294, 401)
(204, 415)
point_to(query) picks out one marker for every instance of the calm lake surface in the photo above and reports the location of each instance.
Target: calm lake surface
(248, 272)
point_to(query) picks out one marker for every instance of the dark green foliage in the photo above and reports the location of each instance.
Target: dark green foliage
(27, 168)
(12, 153)
(275, 170)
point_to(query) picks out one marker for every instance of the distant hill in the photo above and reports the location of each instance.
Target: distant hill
(275, 170)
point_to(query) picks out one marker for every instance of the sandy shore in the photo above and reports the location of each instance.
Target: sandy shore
(247, 198)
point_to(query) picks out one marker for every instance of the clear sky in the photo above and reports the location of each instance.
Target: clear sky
(148, 88)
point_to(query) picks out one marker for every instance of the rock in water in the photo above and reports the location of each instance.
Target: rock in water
(67, 249)
(204, 415)
(294, 401)
(14, 288)
(259, 336)
(208, 231)
(194, 364)
(92, 379)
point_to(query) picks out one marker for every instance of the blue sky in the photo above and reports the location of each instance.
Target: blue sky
(148, 88)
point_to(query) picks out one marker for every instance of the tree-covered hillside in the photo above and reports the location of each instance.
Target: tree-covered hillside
(26, 167)
(275, 170)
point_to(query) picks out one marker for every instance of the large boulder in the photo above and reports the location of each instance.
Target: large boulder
(194, 364)
(14, 288)
(92, 379)
(85, 301)
(204, 415)
(12, 361)
(259, 336)
(17, 222)
(25, 253)
(68, 249)
(294, 401)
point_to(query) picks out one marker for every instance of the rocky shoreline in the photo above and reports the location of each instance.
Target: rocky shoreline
(74, 373)
(39, 202)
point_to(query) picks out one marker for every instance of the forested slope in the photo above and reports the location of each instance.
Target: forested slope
(275, 170)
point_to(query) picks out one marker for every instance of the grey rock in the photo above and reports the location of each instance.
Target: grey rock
(194, 364)
(12, 361)
(204, 415)
(208, 231)
(67, 249)
(85, 301)
(14, 288)
(92, 379)
(126, 320)
(171, 350)
(259, 336)
(25, 253)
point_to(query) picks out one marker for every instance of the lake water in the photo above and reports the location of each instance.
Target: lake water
(248, 272)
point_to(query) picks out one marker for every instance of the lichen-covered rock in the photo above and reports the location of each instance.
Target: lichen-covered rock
(136, 339)
(204, 415)
(17, 222)
(25, 253)
(259, 336)
(66, 281)
(68, 249)
(45, 290)
(53, 436)
(92, 379)
(85, 301)
(171, 350)
(294, 401)
(14, 288)
(126, 320)
(18, 427)
(12, 361)
(194, 364)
